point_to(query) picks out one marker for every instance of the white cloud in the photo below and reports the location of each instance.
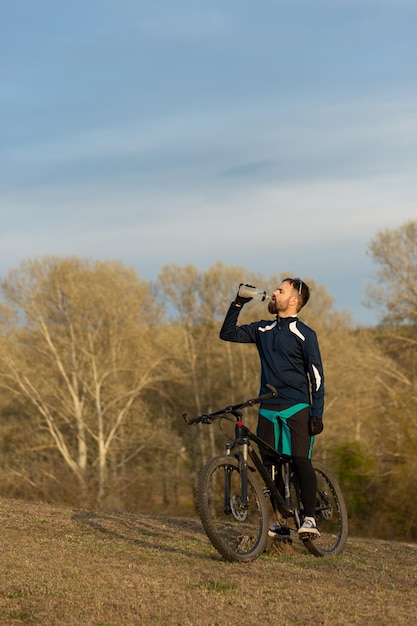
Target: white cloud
(157, 133)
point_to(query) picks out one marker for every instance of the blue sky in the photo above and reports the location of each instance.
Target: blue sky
(274, 135)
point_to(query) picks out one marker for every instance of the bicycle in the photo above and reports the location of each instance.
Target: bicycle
(233, 504)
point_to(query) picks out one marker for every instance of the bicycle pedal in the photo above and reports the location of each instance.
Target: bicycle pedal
(305, 536)
(287, 540)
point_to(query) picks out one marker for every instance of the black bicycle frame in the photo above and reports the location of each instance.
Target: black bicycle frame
(242, 437)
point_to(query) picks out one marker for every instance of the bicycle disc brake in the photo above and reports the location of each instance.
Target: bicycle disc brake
(240, 513)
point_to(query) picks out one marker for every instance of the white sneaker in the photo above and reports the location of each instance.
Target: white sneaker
(308, 529)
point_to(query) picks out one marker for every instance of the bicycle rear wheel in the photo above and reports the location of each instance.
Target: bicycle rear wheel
(238, 530)
(331, 515)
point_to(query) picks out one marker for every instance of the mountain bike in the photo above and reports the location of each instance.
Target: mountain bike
(237, 495)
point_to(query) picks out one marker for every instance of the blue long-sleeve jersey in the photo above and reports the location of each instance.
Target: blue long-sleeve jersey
(289, 354)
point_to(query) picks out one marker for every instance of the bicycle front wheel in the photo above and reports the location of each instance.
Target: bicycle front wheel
(331, 515)
(238, 530)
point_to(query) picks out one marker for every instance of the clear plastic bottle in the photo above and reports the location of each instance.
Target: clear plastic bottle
(246, 291)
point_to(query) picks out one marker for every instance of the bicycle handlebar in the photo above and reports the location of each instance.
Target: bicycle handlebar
(207, 417)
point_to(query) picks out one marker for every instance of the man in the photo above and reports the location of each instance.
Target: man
(291, 362)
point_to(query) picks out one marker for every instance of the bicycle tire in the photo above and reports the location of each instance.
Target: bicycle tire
(331, 515)
(240, 533)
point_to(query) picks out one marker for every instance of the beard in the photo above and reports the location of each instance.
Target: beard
(272, 307)
(276, 307)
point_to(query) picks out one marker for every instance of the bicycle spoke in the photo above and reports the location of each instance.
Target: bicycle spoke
(238, 530)
(331, 515)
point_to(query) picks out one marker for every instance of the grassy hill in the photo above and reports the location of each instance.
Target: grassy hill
(62, 566)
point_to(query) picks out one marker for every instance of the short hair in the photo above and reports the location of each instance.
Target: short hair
(302, 288)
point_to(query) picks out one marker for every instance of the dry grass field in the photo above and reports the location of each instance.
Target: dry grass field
(62, 566)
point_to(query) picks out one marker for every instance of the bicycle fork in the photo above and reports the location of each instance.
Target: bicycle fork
(243, 469)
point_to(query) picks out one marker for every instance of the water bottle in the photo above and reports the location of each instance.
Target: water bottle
(246, 291)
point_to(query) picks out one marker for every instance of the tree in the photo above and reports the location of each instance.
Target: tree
(198, 302)
(238, 363)
(179, 288)
(394, 291)
(83, 345)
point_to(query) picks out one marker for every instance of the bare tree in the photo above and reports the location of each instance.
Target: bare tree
(394, 291)
(179, 287)
(218, 288)
(83, 348)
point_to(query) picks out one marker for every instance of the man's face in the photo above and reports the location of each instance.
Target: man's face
(282, 298)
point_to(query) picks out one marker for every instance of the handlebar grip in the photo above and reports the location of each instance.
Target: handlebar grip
(273, 390)
(272, 394)
(193, 420)
(266, 396)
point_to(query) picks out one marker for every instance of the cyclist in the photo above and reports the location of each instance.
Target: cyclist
(291, 362)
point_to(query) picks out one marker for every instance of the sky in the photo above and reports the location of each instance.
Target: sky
(274, 135)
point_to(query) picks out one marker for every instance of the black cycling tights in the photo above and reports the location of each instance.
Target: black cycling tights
(307, 481)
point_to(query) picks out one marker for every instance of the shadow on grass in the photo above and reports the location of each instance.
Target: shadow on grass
(169, 534)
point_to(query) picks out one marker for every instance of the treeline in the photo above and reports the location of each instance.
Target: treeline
(97, 366)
